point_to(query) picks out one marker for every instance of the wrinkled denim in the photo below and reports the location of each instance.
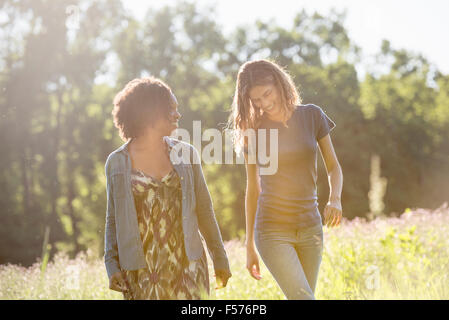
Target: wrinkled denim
(293, 257)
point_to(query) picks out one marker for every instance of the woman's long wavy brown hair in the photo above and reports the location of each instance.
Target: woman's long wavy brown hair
(255, 73)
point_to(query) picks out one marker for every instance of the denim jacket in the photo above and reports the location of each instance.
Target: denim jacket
(123, 245)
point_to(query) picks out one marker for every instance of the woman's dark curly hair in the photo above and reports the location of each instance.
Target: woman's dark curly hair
(140, 104)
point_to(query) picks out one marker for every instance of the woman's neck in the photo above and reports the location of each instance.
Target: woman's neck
(150, 141)
(282, 117)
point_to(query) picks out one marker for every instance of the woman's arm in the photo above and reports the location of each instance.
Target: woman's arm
(206, 218)
(116, 279)
(110, 242)
(333, 210)
(251, 197)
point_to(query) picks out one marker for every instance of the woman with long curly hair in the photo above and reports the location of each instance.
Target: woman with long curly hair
(282, 217)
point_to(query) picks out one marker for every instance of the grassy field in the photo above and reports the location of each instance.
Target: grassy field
(387, 258)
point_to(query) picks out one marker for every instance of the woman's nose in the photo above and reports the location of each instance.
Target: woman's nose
(264, 104)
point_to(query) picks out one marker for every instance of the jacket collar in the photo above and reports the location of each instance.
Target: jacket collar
(124, 147)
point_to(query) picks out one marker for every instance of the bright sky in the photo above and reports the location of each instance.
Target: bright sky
(416, 25)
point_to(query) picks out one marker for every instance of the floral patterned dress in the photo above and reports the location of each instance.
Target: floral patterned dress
(169, 273)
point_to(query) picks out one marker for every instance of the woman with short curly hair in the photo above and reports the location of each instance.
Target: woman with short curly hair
(155, 207)
(282, 217)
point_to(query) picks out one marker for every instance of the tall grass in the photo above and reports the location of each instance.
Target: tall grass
(387, 258)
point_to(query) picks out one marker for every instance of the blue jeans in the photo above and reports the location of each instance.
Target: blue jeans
(293, 256)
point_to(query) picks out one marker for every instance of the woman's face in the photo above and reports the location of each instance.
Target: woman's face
(268, 98)
(170, 123)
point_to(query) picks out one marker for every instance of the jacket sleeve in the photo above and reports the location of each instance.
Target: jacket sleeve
(110, 253)
(206, 217)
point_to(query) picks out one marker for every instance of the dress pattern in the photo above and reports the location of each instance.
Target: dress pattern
(169, 273)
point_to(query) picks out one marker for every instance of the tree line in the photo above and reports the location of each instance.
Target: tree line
(58, 80)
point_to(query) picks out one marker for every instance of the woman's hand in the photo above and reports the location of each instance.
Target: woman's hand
(333, 213)
(222, 276)
(252, 262)
(117, 282)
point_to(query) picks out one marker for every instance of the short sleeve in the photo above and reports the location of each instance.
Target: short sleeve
(323, 124)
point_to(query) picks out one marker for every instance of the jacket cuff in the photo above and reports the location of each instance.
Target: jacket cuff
(221, 264)
(111, 268)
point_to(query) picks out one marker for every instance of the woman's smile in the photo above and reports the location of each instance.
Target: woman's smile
(269, 108)
(265, 97)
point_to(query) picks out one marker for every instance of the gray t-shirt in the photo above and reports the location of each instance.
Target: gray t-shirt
(289, 197)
